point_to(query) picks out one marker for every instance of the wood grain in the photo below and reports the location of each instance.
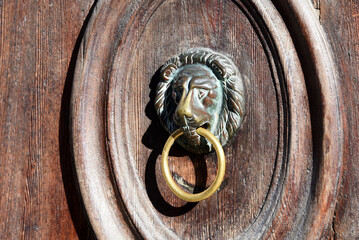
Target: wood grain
(342, 27)
(327, 115)
(39, 45)
(110, 97)
(340, 23)
(38, 195)
(179, 26)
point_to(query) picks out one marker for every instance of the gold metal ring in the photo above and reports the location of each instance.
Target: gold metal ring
(220, 169)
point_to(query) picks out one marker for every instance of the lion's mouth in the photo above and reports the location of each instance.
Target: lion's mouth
(192, 136)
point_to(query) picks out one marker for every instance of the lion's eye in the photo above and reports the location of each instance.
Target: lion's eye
(202, 93)
(176, 94)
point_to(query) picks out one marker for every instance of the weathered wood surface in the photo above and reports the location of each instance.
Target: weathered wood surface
(112, 106)
(251, 157)
(38, 195)
(341, 22)
(38, 51)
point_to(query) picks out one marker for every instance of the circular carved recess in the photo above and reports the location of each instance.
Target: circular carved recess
(117, 138)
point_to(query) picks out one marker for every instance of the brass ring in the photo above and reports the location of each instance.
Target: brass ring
(220, 169)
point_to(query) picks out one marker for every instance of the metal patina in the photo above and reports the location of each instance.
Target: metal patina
(200, 88)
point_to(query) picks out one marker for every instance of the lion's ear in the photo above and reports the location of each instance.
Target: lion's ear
(168, 71)
(219, 68)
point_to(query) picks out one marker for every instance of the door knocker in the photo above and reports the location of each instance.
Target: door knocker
(200, 100)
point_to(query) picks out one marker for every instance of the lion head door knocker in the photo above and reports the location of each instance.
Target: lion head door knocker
(200, 100)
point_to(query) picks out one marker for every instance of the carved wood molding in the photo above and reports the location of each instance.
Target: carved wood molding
(111, 105)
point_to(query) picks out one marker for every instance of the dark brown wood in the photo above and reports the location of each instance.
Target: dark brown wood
(324, 90)
(38, 196)
(342, 26)
(118, 140)
(291, 173)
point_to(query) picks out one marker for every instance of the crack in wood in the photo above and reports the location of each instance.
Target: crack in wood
(316, 6)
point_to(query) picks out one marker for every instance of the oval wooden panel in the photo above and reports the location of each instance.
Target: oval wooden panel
(118, 139)
(248, 176)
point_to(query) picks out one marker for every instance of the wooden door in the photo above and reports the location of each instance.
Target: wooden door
(81, 142)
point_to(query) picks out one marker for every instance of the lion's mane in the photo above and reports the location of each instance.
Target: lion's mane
(233, 88)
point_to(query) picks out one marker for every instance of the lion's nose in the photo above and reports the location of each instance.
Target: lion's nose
(184, 109)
